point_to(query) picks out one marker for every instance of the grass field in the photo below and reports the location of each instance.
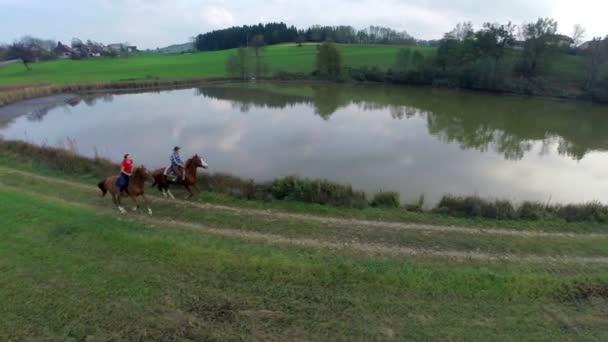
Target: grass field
(222, 269)
(199, 65)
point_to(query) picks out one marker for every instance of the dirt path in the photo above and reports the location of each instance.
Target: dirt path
(364, 248)
(332, 221)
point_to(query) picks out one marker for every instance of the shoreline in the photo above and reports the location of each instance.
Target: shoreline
(15, 94)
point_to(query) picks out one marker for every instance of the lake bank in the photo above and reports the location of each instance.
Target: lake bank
(413, 141)
(340, 200)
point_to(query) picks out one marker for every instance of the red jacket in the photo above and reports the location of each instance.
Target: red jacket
(127, 167)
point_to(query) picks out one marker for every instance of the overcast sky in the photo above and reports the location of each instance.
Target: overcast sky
(157, 23)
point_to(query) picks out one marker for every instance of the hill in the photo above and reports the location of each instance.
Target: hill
(177, 48)
(223, 269)
(287, 57)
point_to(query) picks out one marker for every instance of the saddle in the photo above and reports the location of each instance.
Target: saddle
(171, 175)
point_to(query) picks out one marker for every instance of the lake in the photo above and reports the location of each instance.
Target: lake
(376, 137)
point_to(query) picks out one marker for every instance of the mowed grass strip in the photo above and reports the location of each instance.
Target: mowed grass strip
(73, 273)
(523, 246)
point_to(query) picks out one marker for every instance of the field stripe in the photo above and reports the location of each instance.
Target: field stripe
(365, 248)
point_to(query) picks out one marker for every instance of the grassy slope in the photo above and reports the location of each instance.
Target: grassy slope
(286, 57)
(70, 271)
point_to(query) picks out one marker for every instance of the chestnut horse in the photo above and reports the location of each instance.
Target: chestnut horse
(192, 164)
(135, 189)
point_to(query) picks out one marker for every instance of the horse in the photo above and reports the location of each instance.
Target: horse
(136, 188)
(192, 164)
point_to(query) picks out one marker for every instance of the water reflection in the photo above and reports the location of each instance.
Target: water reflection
(414, 141)
(504, 124)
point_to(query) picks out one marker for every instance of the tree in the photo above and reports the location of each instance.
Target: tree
(29, 49)
(329, 60)
(417, 60)
(19, 50)
(578, 34)
(300, 40)
(595, 56)
(492, 42)
(77, 43)
(539, 38)
(3, 50)
(461, 32)
(404, 57)
(257, 44)
(237, 65)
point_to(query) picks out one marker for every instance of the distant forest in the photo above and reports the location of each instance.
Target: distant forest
(276, 33)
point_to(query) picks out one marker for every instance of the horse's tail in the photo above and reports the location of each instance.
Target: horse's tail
(102, 187)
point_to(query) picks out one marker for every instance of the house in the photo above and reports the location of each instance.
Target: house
(563, 41)
(122, 47)
(116, 47)
(63, 51)
(592, 44)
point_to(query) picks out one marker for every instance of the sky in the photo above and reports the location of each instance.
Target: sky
(158, 23)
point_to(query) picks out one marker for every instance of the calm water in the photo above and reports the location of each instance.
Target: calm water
(412, 140)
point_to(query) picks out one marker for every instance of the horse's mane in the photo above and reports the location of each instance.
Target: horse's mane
(190, 161)
(139, 173)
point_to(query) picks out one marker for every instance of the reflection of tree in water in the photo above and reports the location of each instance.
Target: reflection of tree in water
(508, 125)
(245, 98)
(39, 112)
(399, 112)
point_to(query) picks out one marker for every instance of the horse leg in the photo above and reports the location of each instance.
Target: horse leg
(116, 200)
(189, 190)
(197, 188)
(134, 198)
(147, 204)
(170, 194)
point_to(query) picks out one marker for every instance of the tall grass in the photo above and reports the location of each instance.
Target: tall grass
(17, 94)
(475, 207)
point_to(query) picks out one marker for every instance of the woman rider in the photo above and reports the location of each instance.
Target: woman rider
(126, 168)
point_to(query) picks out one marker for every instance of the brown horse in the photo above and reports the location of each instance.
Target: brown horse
(190, 181)
(135, 189)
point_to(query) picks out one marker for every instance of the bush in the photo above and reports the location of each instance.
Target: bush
(317, 191)
(531, 211)
(473, 206)
(58, 159)
(460, 206)
(594, 212)
(386, 200)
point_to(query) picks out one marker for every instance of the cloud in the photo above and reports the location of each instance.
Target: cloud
(154, 23)
(218, 17)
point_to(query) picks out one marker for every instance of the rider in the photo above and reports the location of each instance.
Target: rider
(177, 166)
(126, 168)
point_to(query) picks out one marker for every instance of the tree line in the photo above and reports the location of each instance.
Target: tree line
(276, 33)
(496, 57)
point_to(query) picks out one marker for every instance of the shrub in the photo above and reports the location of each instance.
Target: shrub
(473, 206)
(58, 159)
(593, 211)
(499, 210)
(317, 191)
(386, 199)
(531, 211)
(470, 206)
